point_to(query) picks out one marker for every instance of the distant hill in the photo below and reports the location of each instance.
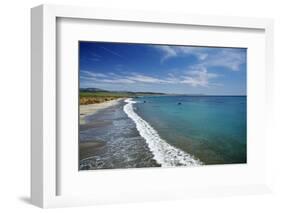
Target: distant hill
(92, 90)
(95, 95)
(121, 93)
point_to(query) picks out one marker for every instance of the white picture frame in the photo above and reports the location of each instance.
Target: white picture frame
(44, 148)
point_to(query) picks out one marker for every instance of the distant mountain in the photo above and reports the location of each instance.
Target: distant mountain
(92, 90)
(128, 92)
(152, 93)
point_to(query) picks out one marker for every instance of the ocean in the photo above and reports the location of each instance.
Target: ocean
(167, 131)
(211, 128)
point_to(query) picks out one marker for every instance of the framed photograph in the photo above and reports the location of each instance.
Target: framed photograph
(129, 106)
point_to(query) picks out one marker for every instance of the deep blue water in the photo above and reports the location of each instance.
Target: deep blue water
(211, 128)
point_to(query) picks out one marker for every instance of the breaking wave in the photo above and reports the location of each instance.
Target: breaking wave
(164, 153)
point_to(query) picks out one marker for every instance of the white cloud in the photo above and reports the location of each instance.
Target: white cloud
(114, 78)
(117, 81)
(146, 79)
(230, 58)
(196, 77)
(95, 57)
(200, 77)
(175, 51)
(93, 74)
(100, 77)
(112, 52)
(199, 52)
(169, 52)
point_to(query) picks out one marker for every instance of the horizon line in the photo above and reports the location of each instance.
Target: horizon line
(164, 93)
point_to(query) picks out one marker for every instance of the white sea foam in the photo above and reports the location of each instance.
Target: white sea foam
(164, 153)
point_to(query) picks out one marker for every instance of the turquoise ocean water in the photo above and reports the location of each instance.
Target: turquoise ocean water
(212, 129)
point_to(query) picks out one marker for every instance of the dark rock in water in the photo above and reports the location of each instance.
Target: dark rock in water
(179, 103)
(144, 101)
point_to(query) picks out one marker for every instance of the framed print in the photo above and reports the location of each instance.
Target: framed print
(149, 106)
(181, 114)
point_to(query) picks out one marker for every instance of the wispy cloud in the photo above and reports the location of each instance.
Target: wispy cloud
(200, 53)
(229, 58)
(176, 51)
(95, 57)
(112, 52)
(168, 51)
(167, 68)
(93, 74)
(195, 77)
(117, 78)
(199, 77)
(146, 79)
(117, 81)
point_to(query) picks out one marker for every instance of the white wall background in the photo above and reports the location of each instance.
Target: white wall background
(15, 99)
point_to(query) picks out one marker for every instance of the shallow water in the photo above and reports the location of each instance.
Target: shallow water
(211, 128)
(164, 153)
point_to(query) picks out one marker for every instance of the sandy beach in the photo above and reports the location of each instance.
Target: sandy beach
(90, 109)
(89, 148)
(109, 139)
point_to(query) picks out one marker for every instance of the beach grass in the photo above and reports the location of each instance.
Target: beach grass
(104, 96)
(99, 97)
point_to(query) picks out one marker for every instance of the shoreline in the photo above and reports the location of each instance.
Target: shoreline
(120, 135)
(90, 109)
(109, 140)
(164, 153)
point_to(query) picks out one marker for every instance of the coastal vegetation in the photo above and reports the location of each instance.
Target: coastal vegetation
(94, 95)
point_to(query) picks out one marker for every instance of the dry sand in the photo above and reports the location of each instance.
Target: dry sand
(91, 109)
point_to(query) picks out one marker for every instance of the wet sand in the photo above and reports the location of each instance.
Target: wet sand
(109, 139)
(89, 148)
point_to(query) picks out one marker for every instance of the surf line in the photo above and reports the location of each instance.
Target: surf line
(164, 153)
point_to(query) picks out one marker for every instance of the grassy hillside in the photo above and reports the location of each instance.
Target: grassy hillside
(87, 97)
(104, 94)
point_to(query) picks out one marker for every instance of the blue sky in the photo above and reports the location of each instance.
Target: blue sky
(162, 68)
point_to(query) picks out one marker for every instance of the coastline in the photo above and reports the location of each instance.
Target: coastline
(109, 139)
(153, 150)
(90, 109)
(120, 134)
(164, 153)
